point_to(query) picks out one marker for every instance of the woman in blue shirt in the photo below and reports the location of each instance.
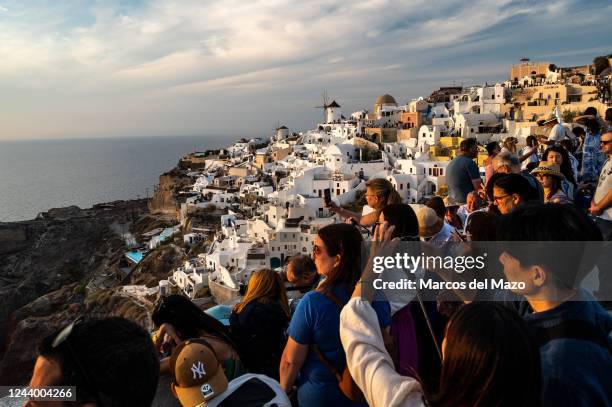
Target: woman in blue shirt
(316, 321)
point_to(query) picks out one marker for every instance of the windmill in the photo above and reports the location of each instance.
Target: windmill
(324, 106)
(280, 132)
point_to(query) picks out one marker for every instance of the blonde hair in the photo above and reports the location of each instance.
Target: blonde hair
(265, 286)
(385, 191)
(510, 144)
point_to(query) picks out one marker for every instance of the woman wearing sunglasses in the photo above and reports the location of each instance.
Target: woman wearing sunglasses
(313, 348)
(379, 193)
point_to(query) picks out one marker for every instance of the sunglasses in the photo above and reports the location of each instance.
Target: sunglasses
(62, 339)
(496, 199)
(605, 143)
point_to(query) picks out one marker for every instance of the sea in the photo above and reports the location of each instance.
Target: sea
(37, 175)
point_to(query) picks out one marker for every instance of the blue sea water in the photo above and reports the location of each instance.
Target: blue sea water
(36, 175)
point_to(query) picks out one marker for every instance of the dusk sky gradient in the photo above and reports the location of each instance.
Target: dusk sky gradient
(138, 68)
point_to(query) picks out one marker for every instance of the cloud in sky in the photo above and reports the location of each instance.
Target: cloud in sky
(97, 68)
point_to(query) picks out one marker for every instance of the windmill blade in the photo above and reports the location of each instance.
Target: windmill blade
(325, 105)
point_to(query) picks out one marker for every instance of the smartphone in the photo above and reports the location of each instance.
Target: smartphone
(327, 196)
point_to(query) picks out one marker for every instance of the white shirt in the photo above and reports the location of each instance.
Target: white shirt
(444, 235)
(369, 363)
(398, 299)
(558, 133)
(470, 214)
(574, 164)
(533, 158)
(366, 209)
(603, 186)
(463, 213)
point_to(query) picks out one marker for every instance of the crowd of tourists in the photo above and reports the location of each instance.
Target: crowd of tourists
(319, 334)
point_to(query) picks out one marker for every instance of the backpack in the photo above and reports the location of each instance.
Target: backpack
(251, 390)
(347, 385)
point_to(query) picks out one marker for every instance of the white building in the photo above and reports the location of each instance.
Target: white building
(192, 277)
(481, 100)
(193, 238)
(431, 134)
(424, 177)
(479, 126)
(418, 105)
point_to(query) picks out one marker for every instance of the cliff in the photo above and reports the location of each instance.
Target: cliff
(47, 314)
(165, 199)
(50, 254)
(157, 264)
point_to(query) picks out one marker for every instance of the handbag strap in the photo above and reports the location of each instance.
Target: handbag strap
(326, 362)
(332, 298)
(317, 350)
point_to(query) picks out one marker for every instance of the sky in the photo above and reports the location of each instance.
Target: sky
(145, 68)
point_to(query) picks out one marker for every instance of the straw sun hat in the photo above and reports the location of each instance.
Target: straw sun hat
(548, 168)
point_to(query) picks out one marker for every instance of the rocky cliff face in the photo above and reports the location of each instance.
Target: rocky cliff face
(156, 265)
(164, 200)
(47, 314)
(51, 254)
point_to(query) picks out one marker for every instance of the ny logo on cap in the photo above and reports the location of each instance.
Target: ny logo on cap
(198, 369)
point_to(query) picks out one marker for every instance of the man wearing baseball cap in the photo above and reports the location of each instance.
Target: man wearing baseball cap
(198, 380)
(431, 227)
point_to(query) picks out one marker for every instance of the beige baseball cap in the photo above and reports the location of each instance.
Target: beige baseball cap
(429, 222)
(197, 374)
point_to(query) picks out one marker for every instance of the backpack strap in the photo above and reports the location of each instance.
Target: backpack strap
(573, 329)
